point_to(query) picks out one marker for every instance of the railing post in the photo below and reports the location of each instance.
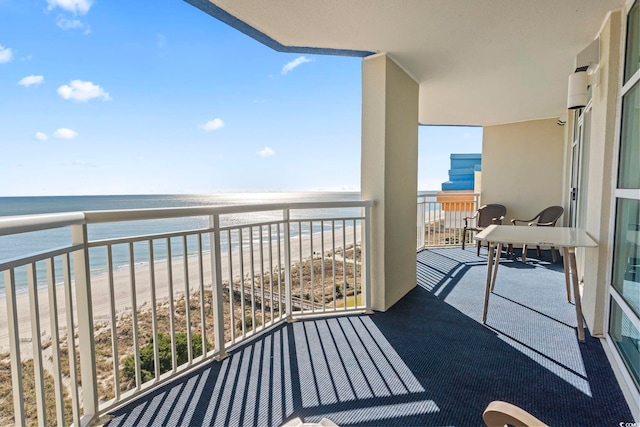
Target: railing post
(84, 308)
(421, 222)
(366, 258)
(287, 262)
(14, 345)
(38, 370)
(216, 292)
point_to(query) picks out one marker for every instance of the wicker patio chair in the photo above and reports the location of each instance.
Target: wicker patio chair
(546, 218)
(484, 217)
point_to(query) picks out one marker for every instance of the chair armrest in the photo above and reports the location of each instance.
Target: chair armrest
(466, 219)
(529, 221)
(499, 414)
(497, 220)
(546, 224)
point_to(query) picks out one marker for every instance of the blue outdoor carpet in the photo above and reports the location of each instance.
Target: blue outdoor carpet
(427, 361)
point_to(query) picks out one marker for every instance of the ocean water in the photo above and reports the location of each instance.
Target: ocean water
(27, 243)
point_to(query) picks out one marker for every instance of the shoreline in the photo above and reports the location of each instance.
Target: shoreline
(23, 288)
(100, 289)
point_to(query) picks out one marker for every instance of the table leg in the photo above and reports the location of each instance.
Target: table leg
(495, 266)
(567, 267)
(487, 287)
(576, 292)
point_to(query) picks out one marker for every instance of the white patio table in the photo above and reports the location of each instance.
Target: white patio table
(568, 238)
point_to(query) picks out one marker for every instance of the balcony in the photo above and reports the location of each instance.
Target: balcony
(426, 361)
(282, 294)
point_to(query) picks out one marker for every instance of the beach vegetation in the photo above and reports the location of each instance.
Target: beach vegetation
(29, 396)
(64, 362)
(350, 302)
(348, 253)
(147, 358)
(250, 322)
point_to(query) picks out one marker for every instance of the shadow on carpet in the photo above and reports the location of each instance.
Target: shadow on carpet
(427, 361)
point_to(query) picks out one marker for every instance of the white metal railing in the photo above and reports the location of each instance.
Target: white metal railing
(441, 217)
(99, 338)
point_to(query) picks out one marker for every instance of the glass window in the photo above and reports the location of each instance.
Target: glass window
(629, 172)
(627, 339)
(624, 320)
(632, 61)
(626, 260)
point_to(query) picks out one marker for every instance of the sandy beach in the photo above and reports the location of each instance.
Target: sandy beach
(100, 288)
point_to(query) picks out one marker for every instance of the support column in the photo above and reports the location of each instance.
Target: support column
(389, 176)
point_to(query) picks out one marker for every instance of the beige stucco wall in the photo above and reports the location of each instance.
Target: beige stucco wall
(600, 176)
(523, 166)
(389, 176)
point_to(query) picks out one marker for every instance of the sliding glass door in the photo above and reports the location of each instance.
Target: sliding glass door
(624, 310)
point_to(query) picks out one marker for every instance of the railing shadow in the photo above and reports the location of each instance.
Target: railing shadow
(426, 361)
(340, 368)
(438, 271)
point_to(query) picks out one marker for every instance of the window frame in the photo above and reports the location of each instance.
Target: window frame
(612, 293)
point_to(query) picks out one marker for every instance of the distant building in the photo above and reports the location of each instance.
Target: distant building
(462, 179)
(461, 174)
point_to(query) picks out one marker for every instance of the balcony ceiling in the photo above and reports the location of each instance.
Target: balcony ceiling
(477, 62)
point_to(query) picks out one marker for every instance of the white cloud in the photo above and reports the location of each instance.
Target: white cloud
(266, 151)
(81, 91)
(6, 54)
(69, 24)
(31, 80)
(41, 136)
(75, 6)
(295, 63)
(214, 124)
(65, 133)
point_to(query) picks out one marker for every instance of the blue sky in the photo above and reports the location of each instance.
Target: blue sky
(133, 97)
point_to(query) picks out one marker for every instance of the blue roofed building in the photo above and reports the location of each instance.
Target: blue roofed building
(459, 196)
(461, 174)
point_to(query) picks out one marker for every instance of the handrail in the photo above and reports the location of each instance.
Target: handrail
(440, 193)
(440, 217)
(94, 217)
(265, 279)
(26, 223)
(38, 256)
